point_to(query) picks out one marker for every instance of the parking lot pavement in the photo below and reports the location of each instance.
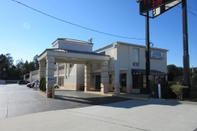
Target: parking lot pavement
(132, 115)
(16, 100)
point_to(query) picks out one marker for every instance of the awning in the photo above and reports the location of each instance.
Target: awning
(143, 72)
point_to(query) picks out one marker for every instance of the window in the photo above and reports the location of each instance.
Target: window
(135, 57)
(137, 81)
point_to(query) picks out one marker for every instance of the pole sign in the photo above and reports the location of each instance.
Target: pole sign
(161, 9)
(147, 5)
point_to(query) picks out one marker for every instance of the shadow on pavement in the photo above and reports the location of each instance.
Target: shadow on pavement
(113, 101)
(137, 103)
(91, 100)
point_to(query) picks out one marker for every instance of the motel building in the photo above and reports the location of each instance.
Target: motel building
(117, 67)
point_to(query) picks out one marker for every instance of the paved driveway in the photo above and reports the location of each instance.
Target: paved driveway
(18, 100)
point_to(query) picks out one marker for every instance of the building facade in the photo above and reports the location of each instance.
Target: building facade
(117, 67)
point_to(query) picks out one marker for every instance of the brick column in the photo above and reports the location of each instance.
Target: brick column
(49, 73)
(87, 79)
(104, 77)
(42, 70)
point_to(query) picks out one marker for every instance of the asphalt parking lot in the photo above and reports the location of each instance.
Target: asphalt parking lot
(16, 100)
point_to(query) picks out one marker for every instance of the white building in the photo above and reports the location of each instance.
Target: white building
(118, 67)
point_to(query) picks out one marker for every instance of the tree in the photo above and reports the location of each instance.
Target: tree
(35, 62)
(10, 71)
(6, 63)
(174, 71)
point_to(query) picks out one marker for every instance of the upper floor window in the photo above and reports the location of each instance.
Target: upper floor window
(135, 55)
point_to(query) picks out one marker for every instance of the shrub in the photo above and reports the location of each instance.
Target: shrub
(181, 91)
(42, 85)
(166, 91)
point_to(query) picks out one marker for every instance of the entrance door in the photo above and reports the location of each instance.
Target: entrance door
(98, 83)
(123, 82)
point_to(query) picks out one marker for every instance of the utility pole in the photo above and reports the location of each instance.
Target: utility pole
(186, 74)
(147, 52)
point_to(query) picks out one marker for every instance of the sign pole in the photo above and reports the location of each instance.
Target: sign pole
(147, 52)
(185, 45)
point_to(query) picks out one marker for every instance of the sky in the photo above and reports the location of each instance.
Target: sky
(25, 33)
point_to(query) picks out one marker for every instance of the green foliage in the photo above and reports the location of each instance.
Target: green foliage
(11, 71)
(174, 71)
(42, 85)
(181, 91)
(165, 90)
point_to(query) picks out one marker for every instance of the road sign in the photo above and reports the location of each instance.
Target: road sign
(160, 10)
(147, 5)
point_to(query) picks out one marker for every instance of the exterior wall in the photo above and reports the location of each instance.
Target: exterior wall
(34, 75)
(112, 53)
(72, 45)
(160, 65)
(125, 55)
(122, 55)
(70, 81)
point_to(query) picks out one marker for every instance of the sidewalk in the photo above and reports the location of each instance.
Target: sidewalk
(132, 96)
(133, 115)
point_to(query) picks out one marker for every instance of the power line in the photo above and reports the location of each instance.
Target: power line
(189, 10)
(86, 28)
(192, 8)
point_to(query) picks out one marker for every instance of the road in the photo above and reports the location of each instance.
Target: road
(16, 100)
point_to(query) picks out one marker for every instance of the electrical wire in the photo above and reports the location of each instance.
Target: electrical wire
(190, 11)
(192, 8)
(83, 27)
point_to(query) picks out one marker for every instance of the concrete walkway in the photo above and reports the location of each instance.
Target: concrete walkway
(132, 115)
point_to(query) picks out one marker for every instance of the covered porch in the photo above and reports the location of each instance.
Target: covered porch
(49, 57)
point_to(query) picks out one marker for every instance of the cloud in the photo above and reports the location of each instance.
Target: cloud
(27, 25)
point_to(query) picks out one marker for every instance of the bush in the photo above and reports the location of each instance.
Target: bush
(166, 91)
(42, 85)
(171, 90)
(181, 91)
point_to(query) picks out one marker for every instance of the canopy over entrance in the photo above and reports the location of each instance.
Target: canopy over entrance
(72, 56)
(49, 57)
(143, 72)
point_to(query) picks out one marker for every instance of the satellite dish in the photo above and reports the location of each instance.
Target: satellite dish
(152, 44)
(90, 40)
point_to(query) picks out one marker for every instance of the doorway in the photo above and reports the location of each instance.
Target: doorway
(98, 83)
(123, 82)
